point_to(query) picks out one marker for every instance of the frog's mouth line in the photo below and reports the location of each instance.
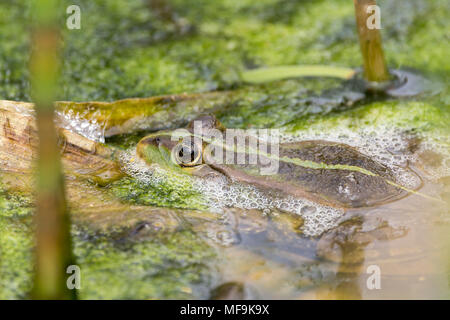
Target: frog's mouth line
(303, 163)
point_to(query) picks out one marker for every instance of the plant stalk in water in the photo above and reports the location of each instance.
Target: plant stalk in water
(375, 69)
(53, 246)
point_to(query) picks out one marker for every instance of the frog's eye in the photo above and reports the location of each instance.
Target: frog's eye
(187, 154)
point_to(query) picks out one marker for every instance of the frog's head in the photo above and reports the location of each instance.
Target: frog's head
(181, 149)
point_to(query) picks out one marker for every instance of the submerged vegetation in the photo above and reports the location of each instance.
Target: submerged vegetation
(128, 249)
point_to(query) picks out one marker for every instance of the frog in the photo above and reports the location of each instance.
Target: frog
(326, 172)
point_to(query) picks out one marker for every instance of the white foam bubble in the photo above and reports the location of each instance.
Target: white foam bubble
(78, 123)
(317, 218)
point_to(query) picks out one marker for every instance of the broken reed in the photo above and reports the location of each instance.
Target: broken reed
(375, 69)
(53, 244)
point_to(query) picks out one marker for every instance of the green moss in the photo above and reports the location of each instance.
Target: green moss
(15, 259)
(175, 266)
(125, 50)
(278, 103)
(162, 192)
(14, 80)
(426, 119)
(169, 265)
(14, 205)
(15, 245)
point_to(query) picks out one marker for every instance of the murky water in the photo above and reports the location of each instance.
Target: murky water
(406, 243)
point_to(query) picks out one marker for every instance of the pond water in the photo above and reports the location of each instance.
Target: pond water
(412, 258)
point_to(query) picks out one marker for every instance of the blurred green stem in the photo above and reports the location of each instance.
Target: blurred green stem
(375, 69)
(53, 246)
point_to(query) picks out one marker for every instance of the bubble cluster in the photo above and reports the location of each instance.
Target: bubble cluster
(220, 193)
(73, 121)
(393, 147)
(78, 123)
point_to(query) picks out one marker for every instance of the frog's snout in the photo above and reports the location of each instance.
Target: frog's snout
(153, 141)
(145, 143)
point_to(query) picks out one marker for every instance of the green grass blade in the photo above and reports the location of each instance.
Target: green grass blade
(285, 72)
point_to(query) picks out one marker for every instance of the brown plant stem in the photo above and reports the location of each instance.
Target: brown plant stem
(53, 245)
(375, 69)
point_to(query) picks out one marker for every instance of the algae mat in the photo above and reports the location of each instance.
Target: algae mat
(159, 241)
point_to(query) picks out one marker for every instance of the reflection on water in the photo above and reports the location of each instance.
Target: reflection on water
(407, 241)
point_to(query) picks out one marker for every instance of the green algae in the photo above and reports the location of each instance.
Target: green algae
(168, 265)
(15, 258)
(123, 51)
(276, 104)
(14, 205)
(422, 117)
(134, 114)
(175, 191)
(16, 242)
(173, 266)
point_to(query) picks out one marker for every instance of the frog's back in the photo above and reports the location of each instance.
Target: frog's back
(358, 181)
(351, 188)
